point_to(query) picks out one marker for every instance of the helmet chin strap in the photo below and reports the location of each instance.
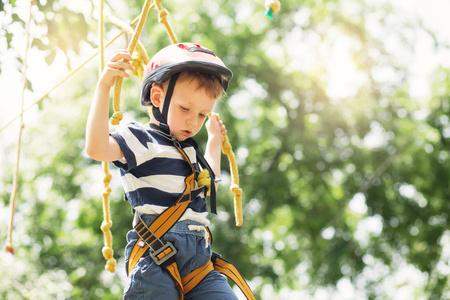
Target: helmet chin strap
(162, 117)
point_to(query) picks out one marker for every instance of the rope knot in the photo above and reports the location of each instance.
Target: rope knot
(106, 193)
(163, 15)
(107, 179)
(116, 118)
(236, 190)
(137, 62)
(204, 179)
(105, 226)
(111, 265)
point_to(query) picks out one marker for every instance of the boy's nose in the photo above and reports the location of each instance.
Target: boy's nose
(189, 123)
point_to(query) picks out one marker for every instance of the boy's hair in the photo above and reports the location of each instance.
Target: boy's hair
(208, 82)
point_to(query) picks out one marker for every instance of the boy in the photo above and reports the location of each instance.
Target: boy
(181, 84)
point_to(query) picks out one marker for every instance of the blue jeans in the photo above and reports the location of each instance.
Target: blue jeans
(150, 281)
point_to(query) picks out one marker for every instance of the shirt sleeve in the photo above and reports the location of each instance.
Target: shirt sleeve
(131, 140)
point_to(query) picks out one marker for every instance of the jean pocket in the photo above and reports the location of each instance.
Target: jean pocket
(141, 271)
(132, 282)
(202, 254)
(146, 263)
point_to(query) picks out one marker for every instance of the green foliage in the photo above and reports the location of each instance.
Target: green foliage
(303, 157)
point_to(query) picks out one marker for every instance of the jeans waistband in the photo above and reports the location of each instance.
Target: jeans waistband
(185, 226)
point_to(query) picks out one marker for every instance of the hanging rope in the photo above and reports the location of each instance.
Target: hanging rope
(107, 250)
(12, 200)
(234, 185)
(117, 115)
(204, 179)
(140, 58)
(162, 12)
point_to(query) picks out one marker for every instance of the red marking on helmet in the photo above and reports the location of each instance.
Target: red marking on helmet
(182, 46)
(153, 66)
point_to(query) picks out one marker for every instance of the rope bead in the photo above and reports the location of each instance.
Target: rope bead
(107, 252)
(111, 265)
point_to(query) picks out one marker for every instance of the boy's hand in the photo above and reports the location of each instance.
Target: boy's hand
(116, 67)
(216, 129)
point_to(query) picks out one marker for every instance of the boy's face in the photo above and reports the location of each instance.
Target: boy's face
(189, 107)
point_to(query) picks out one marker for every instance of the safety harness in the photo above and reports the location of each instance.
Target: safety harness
(151, 236)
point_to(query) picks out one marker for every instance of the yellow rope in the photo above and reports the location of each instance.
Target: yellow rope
(107, 251)
(163, 19)
(101, 36)
(117, 115)
(234, 186)
(12, 200)
(204, 180)
(140, 58)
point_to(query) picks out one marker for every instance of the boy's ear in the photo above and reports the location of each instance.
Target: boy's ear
(157, 95)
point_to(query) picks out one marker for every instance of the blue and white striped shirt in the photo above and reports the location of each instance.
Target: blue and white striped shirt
(153, 171)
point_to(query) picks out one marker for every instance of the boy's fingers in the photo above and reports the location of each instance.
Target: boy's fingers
(117, 72)
(121, 55)
(120, 65)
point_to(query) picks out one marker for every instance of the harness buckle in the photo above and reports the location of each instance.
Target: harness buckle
(163, 254)
(215, 256)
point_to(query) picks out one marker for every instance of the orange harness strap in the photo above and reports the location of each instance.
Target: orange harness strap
(175, 274)
(229, 270)
(159, 227)
(192, 279)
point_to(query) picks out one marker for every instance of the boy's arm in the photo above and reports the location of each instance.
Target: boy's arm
(216, 134)
(213, 154)
(99, 145)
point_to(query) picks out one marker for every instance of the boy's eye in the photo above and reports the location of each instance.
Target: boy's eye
(184, 108)
(203, 115)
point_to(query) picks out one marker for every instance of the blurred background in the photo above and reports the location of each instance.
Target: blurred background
(339, 117)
